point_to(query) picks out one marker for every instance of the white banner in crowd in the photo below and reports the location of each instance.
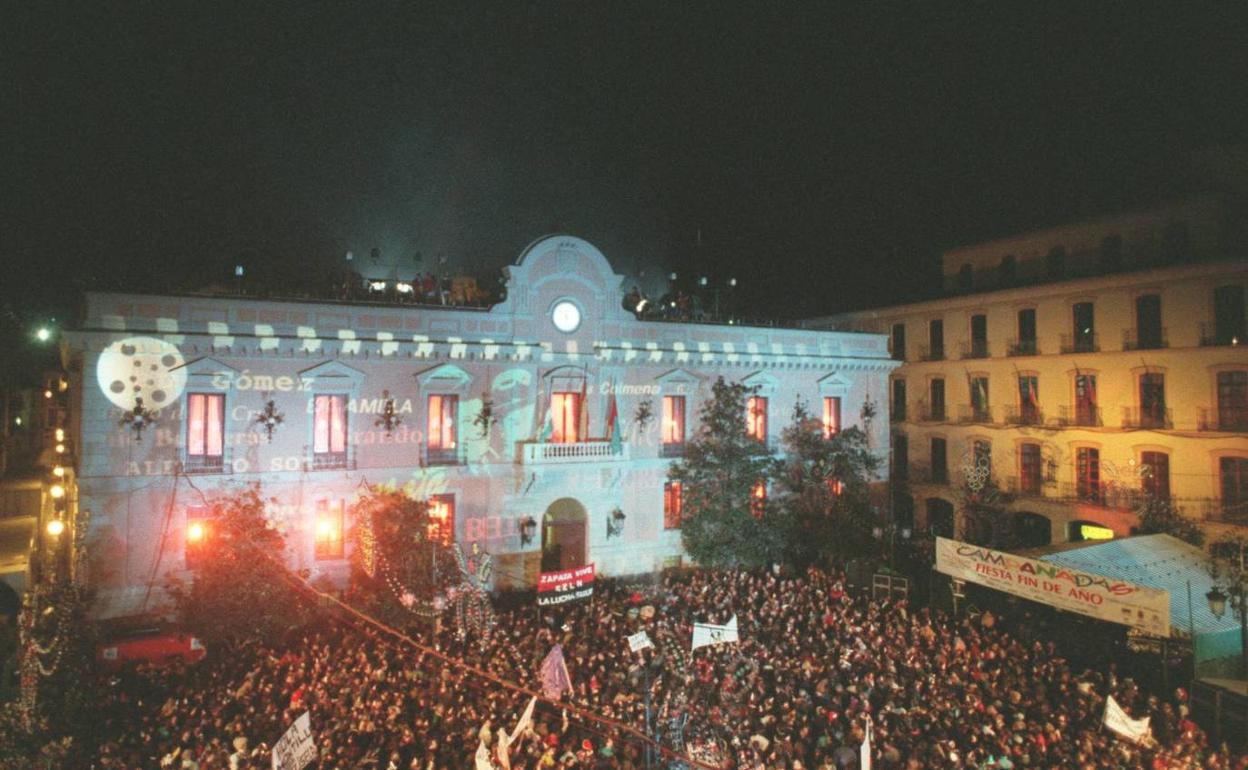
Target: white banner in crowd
(639, 641)
(295, 749)
(707, 634)
(1097, 596)
(1116, 719)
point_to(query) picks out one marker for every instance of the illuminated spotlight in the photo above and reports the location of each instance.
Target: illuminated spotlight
(60, 449)
(43, 334)
(195, 532)
(57, 491)
(702, 281)
(641, 306)
(403, 288)
(377, 285)
(47, 394)
(17, 420)
(238, 271)
(60, 434)
(732, 282)
(59, 472)
(56, 527)
(324, 528)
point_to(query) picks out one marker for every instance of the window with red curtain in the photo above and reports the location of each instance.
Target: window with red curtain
(671, 505)
(329, 429)
(1156, 476)
(756, 418)
(758, 499)
(1088, 474)
(831, 416)
(1030, 469)
(673, 421)
(205, 430)
(329, 529)
(565, 411)
(443, 412)
(442, 519)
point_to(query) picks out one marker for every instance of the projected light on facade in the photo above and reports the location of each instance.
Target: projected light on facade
(143, 367)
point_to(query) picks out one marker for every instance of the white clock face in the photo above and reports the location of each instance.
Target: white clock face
(566, 316)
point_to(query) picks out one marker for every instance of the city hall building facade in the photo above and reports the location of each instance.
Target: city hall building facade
(523, 425)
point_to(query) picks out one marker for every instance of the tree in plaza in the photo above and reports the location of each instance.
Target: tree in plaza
(822, 486)
(401, 564)
(240, 591)
(724, 522)
(1159, 516)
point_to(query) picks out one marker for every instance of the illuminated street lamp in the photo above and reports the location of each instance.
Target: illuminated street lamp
(56, 527)
(57, 491)
(43, 334)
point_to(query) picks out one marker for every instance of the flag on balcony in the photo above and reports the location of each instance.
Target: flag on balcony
(613, 425)
(548, 425)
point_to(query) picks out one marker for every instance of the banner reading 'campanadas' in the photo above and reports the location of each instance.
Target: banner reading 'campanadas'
(1116, 601)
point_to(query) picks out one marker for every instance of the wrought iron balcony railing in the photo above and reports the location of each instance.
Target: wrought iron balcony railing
(975, 349)
(1083, 415)
(1022, 348)
(1024, 415)
(1152, 417)
(1229, 419)
(931, 352)
(441, 456)
(1212, 336)
(1026, 486)
(204, 464)
(330, 461)
(923, 473)
(1103, 494)
(931, 412)
(1080, 343)
(1147, 339)
(975, 413)
(672, 449)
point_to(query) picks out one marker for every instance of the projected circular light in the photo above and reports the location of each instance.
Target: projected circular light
(566, 316)
(143, 367)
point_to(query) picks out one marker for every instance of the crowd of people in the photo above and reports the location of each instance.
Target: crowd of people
(812, 666)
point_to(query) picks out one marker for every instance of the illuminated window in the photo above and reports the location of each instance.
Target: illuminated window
(1028, 399)
(329, 432)
(756, 418)
(1088, 474)
(328, 525)
(1030, 469)
(836, 487)
(442, 447)
(1155, 478)
(1086, 411)
(673, 424)
(672, 503)
(565, 412)
(831, 416)
(442, 519)
(205, 431)
(758, 499)
(198, 533)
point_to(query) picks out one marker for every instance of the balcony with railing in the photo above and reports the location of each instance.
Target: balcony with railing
(1227, 419)
(1103, 495)
(573, 452)
(1211, 336)
(672, 449)
(1155, 418)
(332, 461)
(923, 473)
(1017, 347)
(441, 456)
(931, 412)
(931, 353)
(1026, 486)
(204, 464)
(1147, 339)
(1080, 343)
(1214, 509)
(1080, 415)
(1024, 415)
(975, 349)
(975, 413)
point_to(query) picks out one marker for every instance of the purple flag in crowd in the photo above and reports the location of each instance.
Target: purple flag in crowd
(555, 679)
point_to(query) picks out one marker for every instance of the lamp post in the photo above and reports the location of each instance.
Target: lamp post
(1239, 605)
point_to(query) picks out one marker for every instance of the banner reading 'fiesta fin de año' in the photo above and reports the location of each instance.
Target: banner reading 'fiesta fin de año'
(1097, 596)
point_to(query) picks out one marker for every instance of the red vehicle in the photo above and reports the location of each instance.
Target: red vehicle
(152, 646)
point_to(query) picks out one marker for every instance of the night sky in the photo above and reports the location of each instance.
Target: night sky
(826, 153)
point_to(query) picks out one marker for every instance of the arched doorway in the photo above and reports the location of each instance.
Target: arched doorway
(1033, 529)
(564, 535)
(940, 521)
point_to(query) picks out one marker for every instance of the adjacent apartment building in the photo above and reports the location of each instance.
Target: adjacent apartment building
(540, 429)
(1072, 371)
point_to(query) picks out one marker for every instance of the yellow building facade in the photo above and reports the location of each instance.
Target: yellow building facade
(1070, 373)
